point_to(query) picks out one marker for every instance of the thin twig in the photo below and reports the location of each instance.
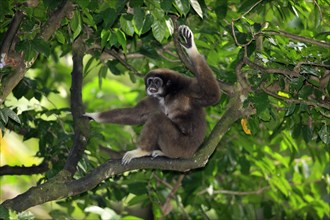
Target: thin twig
(167, 207)
(298, 101)
(22, 170)
(123, 62)
(248, 11)
(297, 37)
(240, 17)
(271, 70)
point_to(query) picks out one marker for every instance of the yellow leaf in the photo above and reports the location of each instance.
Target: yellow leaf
(244, 123)
(283, 94)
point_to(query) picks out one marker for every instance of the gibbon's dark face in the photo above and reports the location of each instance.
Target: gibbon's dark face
(155, 86)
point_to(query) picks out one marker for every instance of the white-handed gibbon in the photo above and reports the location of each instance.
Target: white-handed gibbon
(172, 114)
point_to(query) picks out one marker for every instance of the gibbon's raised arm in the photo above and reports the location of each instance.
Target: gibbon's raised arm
(206, 89)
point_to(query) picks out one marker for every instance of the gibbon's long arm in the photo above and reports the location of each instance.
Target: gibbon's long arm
(127, 116)
(206, 90)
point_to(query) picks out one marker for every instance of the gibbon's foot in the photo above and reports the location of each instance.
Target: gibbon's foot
(157, 153)
(129, 155)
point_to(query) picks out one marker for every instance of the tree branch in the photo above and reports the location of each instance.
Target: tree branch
(11, 32)
(123, 62)
(167, 206)
(22, 170)
(266, 70)
(80, 124)
(297, 37)
(298, 101)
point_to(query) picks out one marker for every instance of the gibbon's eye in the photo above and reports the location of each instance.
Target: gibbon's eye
(149, 80)
(158, 81)
(155, 82)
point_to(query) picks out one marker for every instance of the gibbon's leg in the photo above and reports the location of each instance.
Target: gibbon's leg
(148, 139)
(161, 137)
(159, 133)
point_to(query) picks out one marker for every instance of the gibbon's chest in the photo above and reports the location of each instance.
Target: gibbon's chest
(175, 106)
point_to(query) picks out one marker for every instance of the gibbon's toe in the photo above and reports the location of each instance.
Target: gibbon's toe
(157, 153)
(129, 155)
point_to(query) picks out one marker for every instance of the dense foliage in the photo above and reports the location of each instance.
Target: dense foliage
(273, 163)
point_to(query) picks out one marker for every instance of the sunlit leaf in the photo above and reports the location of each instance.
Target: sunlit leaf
(196, 7)
(183, 6)
(158, 29)
(127, 25)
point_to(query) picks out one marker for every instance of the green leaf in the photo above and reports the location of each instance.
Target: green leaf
(139, 19)
(41, 46)
(4, 212)
(148, 20)
(138, 199)
(3, 117)
(121, 37)
(60, 36)
(11, 114)
(158, 29)
(196, 7)
(112, 66)
(290, 110)
(109, 17)
(324, 134)
(88, 19)
(135, 3)
(127, 24)
(183, 6)
(261, 101)
(102, 74)
(29, 52)
(221, 10)
(105, 36)
(75, 24)
(4, 9)
(307, 133)
(83, 3)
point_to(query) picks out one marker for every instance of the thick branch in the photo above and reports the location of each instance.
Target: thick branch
(81, 125)
(11, 32)
(22, 170)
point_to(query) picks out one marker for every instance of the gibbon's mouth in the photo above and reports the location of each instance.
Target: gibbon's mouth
(154, 91)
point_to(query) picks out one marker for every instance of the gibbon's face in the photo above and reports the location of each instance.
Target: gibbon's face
(155, 86)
